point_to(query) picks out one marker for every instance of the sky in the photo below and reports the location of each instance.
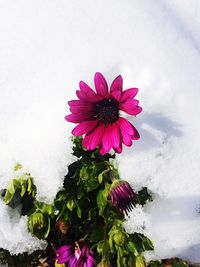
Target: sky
(47, 47)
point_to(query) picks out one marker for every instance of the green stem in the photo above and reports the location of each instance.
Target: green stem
(110, 173)
(105, 249)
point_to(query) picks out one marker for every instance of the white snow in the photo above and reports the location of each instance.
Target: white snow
(47, 46)
(13, 232)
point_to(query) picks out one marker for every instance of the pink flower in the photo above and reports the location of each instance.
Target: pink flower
(65, 253)
(76, 255)
(98, 115)
(122, 196)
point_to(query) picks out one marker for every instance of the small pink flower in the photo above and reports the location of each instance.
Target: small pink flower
(98, 115)
(65, 253)
(75, 255)
(122, 196)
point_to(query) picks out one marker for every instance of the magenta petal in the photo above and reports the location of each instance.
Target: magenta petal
(76, 118)
(136, 135)
(126, 138)
(90, 261)
(129, 94)
(115, 137)
(86, 89)
(82, 96)
(61, 260)
(106, 144)
(86, 110)
(137, 110)
(84, 127)
(63, 249)
(75, 103)
(72, 262)
(116, 88)
(64, 253)
(96, 136)
(125, 126)
(86, 141)
(118, 149)
(93, 139)
(79, 106)
(102, 150)
(86, 93)
(129, 106)
(101, 85)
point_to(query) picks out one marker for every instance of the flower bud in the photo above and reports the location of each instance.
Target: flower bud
(122, 196)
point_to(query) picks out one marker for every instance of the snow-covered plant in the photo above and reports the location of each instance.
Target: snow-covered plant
(84, 224)
(84, 227)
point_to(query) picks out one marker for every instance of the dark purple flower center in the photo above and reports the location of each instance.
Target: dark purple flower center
(107, 111)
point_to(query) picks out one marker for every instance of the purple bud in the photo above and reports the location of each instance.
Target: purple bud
(122, 196)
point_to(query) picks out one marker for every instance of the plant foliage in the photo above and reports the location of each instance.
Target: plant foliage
(83, 212)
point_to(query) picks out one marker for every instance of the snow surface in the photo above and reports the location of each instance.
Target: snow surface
(47, 46)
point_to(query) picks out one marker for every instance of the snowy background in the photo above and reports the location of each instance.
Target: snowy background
(47, 46)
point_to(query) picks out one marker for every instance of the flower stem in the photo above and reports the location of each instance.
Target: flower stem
(110, 173)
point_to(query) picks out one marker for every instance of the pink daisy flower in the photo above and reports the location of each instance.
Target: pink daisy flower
(76, 255)
(98, 115)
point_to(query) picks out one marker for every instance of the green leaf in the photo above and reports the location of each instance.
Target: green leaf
(89, 174)
(139, 262)
(71, 204)
(119, 238)
(8, 197)
(110, 242)
(141, 242)
(23, 185)
(80, 191)
(23, 190)
(119, 257)
(100, 246)
(30, 183)
(132, 248)
(91, 184)
(47, 228)
(45, 208)
(78, 210)
(17, 167)
(14, 185)
(101, 175)
(84, 174)
(146, 243)
(143, 196)
(16, 192)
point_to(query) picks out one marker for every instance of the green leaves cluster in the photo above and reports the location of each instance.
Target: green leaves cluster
(84, 204)
(22, 185)
(21, 191)
(39, 221)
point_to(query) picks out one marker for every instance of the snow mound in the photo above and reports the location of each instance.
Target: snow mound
(14, 233)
